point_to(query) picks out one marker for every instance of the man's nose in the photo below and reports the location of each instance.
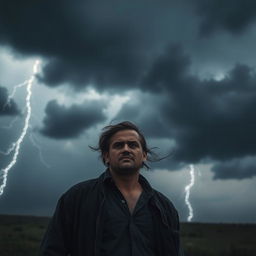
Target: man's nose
(126, 147)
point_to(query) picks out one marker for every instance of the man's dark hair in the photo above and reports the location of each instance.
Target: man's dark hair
(110, 130)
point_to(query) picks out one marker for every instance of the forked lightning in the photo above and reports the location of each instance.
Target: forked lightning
(16, 145)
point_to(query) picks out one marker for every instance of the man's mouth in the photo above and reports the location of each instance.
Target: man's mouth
(126, 158)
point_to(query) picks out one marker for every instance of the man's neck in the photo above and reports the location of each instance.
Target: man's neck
(127, 183)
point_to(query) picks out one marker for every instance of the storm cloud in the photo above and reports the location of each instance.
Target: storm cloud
(7, 107)
(84, 43)
(209, 116)
(238, 168)
(90, 42)
(208, 119)
(233, 16)
(63, 122)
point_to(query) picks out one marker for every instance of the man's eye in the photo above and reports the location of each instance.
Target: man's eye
(118, 145)
(133, 145)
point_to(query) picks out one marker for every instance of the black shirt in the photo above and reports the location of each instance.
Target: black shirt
(124, 233)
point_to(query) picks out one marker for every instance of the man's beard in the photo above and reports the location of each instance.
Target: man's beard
(125, 170)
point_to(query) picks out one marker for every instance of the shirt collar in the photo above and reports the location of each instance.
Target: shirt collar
(142, 180)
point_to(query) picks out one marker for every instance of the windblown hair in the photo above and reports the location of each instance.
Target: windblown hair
(110, 130)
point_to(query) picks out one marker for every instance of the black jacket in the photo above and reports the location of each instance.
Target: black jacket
(75, 228)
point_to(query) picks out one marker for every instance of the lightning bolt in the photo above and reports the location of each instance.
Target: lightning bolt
(13, 92)
(16, 145)
(187, 190)
(33, 141)
(9, 150)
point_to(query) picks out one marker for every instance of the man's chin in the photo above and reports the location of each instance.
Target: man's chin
(125, 169)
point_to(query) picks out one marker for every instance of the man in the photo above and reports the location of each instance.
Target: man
(119, 213)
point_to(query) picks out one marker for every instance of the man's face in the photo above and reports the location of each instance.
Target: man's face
(125, 155)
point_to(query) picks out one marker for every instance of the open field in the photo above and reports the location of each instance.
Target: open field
(21, 236)
(219, 239)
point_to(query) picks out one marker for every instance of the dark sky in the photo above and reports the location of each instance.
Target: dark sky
(183, 71)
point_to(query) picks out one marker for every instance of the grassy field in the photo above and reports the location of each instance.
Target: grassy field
(21, 236)
(219, 239)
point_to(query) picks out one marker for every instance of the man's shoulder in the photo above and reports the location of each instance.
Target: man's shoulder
(169, 209)
(160, 197)
(86, 184)
(164, 200)
(82, 188)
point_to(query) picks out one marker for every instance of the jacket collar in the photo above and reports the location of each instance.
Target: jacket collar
(106, 177)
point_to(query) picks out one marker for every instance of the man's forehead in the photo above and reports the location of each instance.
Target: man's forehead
(125, 135)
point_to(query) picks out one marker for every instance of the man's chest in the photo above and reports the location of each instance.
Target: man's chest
(132, 200)
(126, 233)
